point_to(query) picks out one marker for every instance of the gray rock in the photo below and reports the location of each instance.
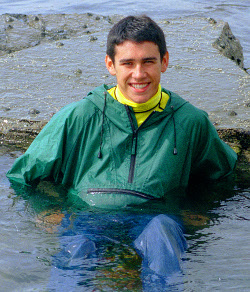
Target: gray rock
(34, 111)
(232, 113)
(230, 46)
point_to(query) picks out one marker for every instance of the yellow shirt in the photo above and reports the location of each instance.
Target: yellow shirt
(142, 110)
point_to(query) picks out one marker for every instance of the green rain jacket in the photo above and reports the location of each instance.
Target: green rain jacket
(95, 148)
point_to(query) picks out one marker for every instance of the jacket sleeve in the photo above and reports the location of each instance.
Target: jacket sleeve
(213, 158)
(44, 157)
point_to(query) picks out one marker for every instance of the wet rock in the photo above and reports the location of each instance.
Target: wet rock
(212, 21)
(22, 17)
(34, 111)
(17, 36)
(30, 30)
(9, 27)
(232, 113)
(238, 137)
(19, 132)
(78, 71)
(230, 46)
(6, 109)
(9, 19)
(93, 38)
(239, 141)
(59, 44)
(36, 22)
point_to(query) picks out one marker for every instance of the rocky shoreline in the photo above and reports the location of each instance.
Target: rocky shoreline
(48, 61)
(21, 31)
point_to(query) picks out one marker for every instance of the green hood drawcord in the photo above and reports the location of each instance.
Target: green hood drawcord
(175, 144)
(103, 114)
(102, 129)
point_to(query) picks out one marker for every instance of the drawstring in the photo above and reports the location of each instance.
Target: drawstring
(175, 144)
(102, 129)
(103, 113)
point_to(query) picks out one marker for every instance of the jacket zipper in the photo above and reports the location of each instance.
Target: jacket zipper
(133, 148)
(133, 157)
(94, 191)
(134, 145)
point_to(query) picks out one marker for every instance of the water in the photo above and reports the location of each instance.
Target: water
(216, 229)
(235, 12)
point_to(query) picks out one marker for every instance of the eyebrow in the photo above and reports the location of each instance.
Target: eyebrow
(144, 59)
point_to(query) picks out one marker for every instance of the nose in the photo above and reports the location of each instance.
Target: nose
(138, 72)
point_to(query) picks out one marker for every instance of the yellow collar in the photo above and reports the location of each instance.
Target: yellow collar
(139, 107)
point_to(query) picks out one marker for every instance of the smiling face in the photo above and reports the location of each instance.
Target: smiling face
(138, 68)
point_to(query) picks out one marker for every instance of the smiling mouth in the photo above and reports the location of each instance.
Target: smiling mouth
(140, 86)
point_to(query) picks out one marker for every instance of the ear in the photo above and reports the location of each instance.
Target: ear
(164, 63)
(110, 65)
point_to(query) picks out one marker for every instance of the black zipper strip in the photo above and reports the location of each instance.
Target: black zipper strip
(134, 147)
(120, 191)
(134, 144)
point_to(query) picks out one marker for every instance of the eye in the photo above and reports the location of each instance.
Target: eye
(149, 61)
(127, 63)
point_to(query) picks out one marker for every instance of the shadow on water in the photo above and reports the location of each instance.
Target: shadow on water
(37, 224)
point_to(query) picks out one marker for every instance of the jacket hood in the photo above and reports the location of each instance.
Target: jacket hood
(115, 112)
(106, 103)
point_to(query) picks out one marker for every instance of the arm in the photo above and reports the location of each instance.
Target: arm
(213, 158)
(44, 156)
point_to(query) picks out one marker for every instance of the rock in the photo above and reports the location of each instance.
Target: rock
(93, 38)
(232, 113)
(6, 108)
(212, 21)
(19, 132)
(9, 19)
(59, 44)
(17, 36)
(34, 111)
(230, 46)
(234, 135)
(26, 31)
(29, 30)
(78, 71)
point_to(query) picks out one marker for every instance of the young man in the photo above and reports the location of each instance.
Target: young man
(130, 143)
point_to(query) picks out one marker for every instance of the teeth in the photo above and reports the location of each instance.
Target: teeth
(140, 86)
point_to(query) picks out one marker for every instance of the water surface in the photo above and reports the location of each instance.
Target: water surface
(216, 230)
